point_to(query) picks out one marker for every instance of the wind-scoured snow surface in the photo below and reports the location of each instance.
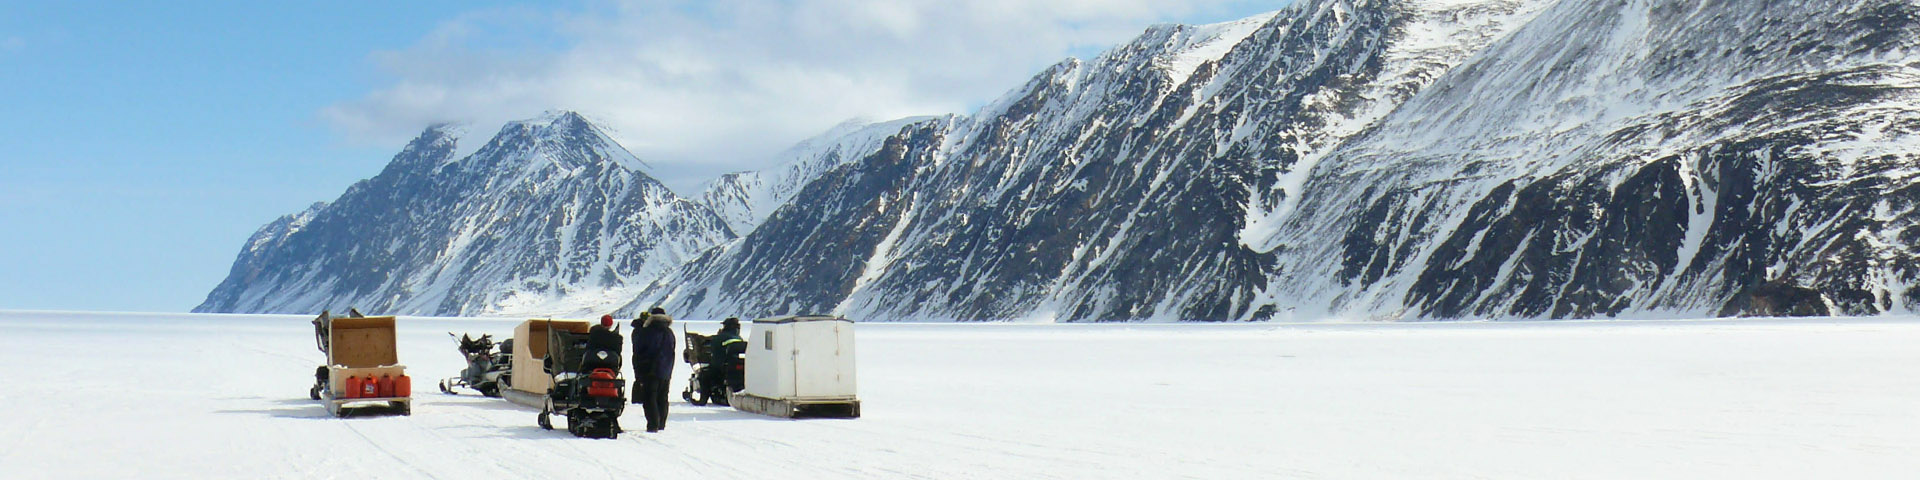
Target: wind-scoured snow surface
(549, 217)
(224, 396)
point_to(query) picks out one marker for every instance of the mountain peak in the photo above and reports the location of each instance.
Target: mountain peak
(551, 217)
(559, 119)
(1189, 46)
(562, 136)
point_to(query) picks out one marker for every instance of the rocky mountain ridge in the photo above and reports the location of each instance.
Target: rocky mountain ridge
(1360, 159)
(550, 216)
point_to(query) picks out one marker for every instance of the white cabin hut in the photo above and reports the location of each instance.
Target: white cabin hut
(800, 365)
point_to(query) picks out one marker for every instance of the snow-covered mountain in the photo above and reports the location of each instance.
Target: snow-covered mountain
(1678, 157)
(1101, 190)
(746, 198)
(813, 248)
(549, 217)
(1386, 159)
(1375, 159)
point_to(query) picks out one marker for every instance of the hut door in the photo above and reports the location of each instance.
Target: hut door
(816, 363)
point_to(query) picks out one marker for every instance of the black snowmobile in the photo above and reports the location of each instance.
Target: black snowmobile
(587, 388)
(488, 369)
(715, 373)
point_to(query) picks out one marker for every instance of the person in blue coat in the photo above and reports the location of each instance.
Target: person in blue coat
(653, 359)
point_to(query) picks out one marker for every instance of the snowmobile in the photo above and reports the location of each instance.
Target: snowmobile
(488, 370)
(713, 376)
(587, 388)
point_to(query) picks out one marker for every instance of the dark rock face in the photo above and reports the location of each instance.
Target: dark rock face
(1338, 162)
(548, 217)
(1774, 206)
(1115, 189)
(1777, 299)
(809, 254)
(745, 199)
(1678, 171)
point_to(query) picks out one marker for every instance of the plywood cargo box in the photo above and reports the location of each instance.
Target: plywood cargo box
(530, 352)
(361, 347)
(362, 342)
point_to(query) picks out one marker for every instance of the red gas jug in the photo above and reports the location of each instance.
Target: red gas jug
(386, 385)
(371, 388)
(353, 388)
(403, 386)
(602, 383)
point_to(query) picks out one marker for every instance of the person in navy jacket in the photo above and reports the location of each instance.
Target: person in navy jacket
(653, 359)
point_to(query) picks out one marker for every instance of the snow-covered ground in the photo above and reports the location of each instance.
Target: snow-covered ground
(224, 396)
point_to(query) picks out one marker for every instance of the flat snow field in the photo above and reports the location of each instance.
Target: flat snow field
(195, 396)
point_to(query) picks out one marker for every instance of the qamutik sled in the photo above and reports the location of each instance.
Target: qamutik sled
(800, 366)
(363, 369)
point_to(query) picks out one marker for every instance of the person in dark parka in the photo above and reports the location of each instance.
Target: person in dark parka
(602, 337)
(726, 348)
(653, 358)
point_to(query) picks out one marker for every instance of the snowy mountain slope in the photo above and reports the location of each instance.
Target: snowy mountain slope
(550, 216)
(746, 198)
(1112, 189)
(811, 251)
(1687, 153)
(1407, 159)
(1381, 159)
(715, 286)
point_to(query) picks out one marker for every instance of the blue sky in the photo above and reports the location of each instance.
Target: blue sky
(145, 141)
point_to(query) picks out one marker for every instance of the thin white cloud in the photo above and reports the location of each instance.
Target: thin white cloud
(701, 87)
(13, 44)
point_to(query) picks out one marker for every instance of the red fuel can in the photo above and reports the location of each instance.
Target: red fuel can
(371, 388)
(353, 388)
(403, 386)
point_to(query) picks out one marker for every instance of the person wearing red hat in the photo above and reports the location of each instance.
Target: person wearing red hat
(606, 324)
(603, 337)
